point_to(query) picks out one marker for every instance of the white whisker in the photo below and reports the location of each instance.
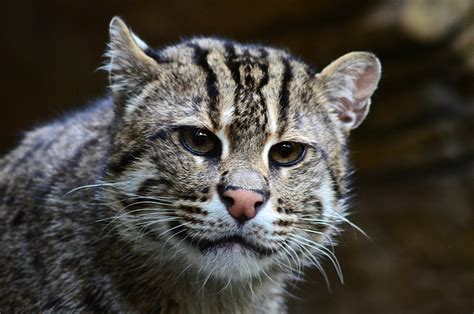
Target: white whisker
(323, 250)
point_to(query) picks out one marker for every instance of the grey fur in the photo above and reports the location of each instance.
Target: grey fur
(105, 211)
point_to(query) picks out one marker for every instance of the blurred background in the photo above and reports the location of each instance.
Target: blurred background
(414, 154)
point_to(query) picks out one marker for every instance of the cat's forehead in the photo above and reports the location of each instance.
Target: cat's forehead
(227, 49)
(249, 91)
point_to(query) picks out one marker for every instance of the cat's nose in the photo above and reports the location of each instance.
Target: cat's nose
(242, 204)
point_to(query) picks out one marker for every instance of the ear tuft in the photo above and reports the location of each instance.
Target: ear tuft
(347, 85)
(128, 65)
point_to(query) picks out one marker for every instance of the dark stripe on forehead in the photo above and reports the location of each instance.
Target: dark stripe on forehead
(263, 53)
(264, 68)
(200, 58)
(250, 63)
(249, 115)
(230, 61)
(233, 66)
(285, 93)
(263, 81)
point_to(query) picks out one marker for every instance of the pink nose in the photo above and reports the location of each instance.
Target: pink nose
(242, 204)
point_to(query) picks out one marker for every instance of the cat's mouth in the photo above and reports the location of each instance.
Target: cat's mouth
(230, 241)
(226, 242)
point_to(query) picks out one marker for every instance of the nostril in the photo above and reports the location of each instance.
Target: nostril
(258, 205)
(229, 201)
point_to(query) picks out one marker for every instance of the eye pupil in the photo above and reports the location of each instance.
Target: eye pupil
(285, 150)
(200, 138)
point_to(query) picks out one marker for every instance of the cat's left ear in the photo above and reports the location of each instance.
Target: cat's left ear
(347, 84)
(128, 64)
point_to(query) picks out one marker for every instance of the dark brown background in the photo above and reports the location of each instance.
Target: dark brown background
(414, 153)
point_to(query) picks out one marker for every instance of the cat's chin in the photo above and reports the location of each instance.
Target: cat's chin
(230, 259)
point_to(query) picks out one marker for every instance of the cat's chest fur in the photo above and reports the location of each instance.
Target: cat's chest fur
(213, 174)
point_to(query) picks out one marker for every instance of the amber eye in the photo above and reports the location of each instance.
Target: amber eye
(200, 141)
(287, 153)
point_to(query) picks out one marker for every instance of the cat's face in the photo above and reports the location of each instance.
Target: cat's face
(229, 160)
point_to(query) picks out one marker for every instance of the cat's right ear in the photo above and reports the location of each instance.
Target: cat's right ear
(128, 64)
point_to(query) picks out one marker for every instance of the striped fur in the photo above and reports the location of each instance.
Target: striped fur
(106, 210)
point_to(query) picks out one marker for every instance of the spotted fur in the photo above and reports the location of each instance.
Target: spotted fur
(106, 210)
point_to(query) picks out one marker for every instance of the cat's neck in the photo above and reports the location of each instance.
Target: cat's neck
(168, 288)
(256, 295)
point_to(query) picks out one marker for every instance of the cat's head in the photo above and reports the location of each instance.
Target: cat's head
(230, 159)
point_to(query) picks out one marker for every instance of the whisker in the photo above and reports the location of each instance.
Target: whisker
(328, 237)
(314, 262)
(316, 221)
(175, 227)
(294, 258)
(323, 250)
(125, 214)
(287, 257)
(299, 264)
(89, 186)
(145, 202)
(225, 287)
(350, 223)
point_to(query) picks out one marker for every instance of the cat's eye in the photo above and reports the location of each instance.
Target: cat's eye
(287, 153)
(200, 141)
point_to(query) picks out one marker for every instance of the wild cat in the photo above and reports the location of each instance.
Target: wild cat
(208, 179)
